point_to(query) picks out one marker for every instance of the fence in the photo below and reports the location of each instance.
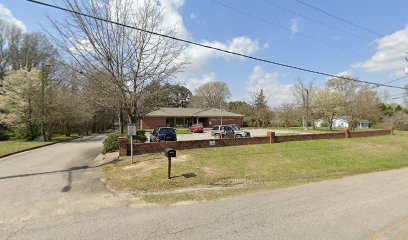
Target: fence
(155, 147)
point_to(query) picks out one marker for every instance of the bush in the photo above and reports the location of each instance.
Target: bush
(140, 136)
(27, 133)
(111, 143)
(4, 133)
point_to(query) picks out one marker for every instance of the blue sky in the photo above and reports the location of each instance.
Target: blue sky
(263, 29)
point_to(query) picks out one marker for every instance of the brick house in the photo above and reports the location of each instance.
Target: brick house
(185, 117)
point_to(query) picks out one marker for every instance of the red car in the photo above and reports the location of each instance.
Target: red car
(197, 128)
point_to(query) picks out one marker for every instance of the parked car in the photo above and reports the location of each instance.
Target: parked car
(163, 134)
(197, 128)
(238, 132)
(223, 131)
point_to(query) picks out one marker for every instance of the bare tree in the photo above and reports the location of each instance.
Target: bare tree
(288, 113)
(137, 61)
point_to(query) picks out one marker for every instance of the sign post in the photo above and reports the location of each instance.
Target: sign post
(131, 133)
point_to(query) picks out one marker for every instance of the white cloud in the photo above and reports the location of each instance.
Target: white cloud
(389, 56)
(266, 45)
(294, 26)
(193, 83)
(173, 17)
(275, 92)
(7, 16)
(199, 57)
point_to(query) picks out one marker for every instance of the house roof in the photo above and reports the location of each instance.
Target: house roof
(191, 112)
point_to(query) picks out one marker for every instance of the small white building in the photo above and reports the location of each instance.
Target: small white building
(342, 122)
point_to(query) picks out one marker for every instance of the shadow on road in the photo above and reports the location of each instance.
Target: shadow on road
(73, 169)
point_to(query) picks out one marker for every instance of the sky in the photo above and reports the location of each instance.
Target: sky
(367, 39)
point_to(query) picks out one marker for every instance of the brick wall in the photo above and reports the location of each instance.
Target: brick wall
(152, 122)
(124, 146)
(303, 137)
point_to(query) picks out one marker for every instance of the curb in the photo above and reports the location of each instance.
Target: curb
(32, 148)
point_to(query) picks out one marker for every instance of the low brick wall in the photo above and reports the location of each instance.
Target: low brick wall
(154, 147)
(370, 133)
(124, 146)
(303, 137)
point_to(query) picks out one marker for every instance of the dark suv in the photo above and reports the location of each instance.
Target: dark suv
(163, 134)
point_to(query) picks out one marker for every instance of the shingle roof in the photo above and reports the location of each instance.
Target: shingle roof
(191, 112)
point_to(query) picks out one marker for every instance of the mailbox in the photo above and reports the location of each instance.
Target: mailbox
(169, 152)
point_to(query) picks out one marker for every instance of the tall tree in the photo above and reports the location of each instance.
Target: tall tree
(327, 105)
(211, 95)
(262, 112)
(175, 96)
(359, 101)
(138, 62)
(245, 109)
(20, 101)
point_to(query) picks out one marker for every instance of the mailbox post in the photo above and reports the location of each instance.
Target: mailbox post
(169, 153)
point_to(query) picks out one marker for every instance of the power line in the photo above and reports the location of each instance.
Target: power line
(285, 29)
(213, 48)
(316, 21)
(366, 29)
(397, 79)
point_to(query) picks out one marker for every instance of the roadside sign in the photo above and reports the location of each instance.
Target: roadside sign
(131, 130)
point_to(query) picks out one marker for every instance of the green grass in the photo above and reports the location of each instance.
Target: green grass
(183, 131)
(230, 171)
(11, 146)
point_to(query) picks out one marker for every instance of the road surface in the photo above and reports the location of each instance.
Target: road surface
(42, 196)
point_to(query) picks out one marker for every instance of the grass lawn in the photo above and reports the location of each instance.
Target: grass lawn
(205, 174)
(11, 146)
(183, 131)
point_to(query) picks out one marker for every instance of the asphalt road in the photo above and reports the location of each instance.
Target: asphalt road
(52, 180)
(42, 206)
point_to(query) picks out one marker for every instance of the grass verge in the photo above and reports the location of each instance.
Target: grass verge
(12, 146)
(206, 174)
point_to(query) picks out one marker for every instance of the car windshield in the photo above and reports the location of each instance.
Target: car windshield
(167, 131)
(234, 127)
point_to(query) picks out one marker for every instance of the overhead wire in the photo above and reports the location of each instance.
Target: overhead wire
(285, 29)
(314, 20)
(211, 47)
(349, 22)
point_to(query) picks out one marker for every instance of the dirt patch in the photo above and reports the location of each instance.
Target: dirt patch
(232, 182)
(144, 166)
(182, 158)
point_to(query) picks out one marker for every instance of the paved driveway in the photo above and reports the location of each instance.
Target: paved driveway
(53, 180)
(207, 134)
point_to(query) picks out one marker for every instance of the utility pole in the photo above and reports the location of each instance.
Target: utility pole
(307, 110)
(221, 120)
(44, 77)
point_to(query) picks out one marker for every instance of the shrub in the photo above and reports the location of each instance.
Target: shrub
(140, 136)
(28, 133)
(111, 143)
(4, 133)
